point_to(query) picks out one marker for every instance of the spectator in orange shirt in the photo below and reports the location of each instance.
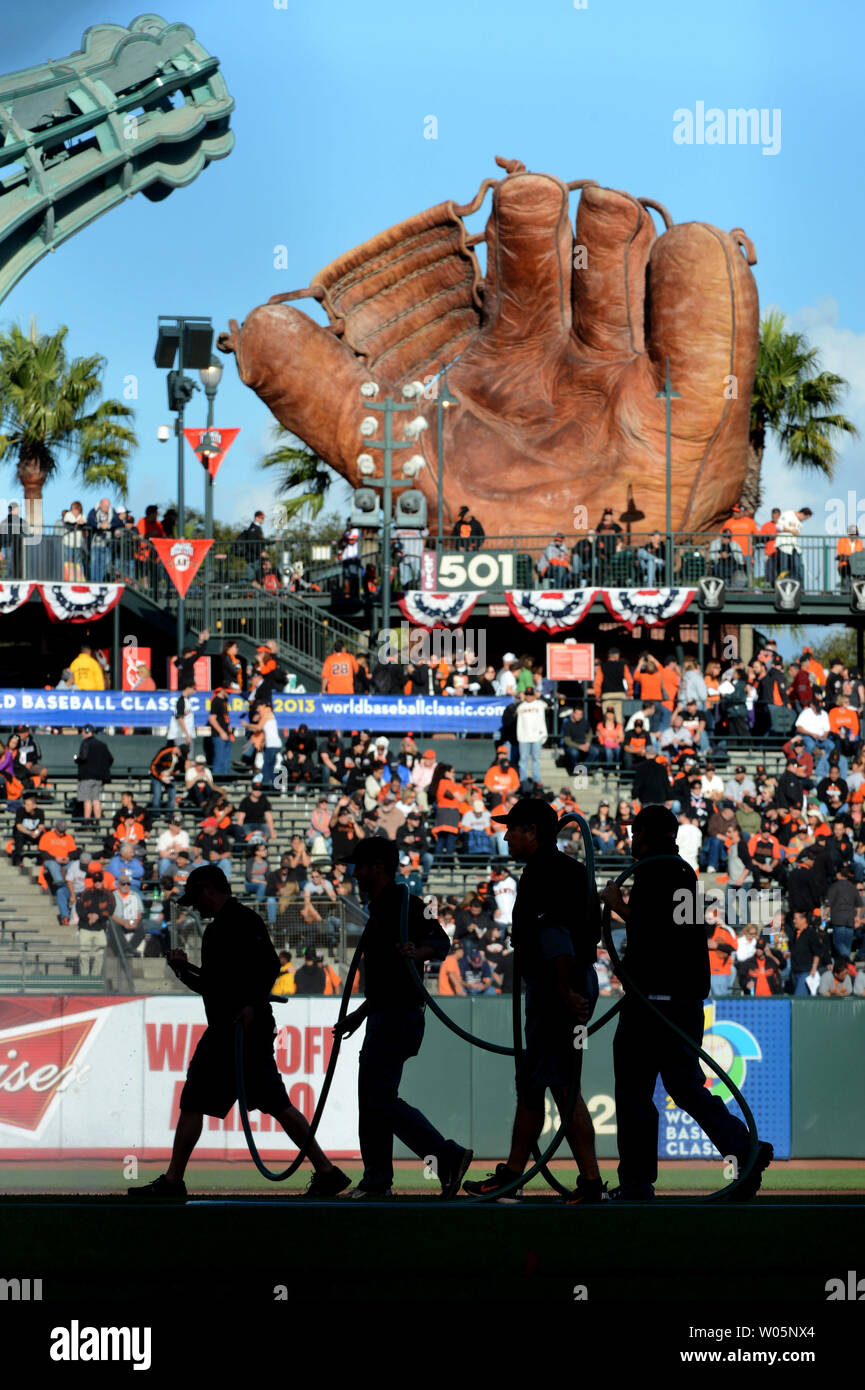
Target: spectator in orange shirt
(743, 528)
(671, 676)
(769, 529)
(844, 723)
(447, 798)
(501, 777)
(848, 545)
(723, 944)
(450, 976)
(338, 671)
(763, 977)
(57, 846)
(648, 679)
(816, 671)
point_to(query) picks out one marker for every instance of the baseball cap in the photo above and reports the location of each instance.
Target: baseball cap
(740, 768)
(60, 824)
(200, 758)
(503, 748)
(257, 780)
(531, 810)
(88, 729)
(177, 818)
(309, 953)
(508, 656)
(429, 753)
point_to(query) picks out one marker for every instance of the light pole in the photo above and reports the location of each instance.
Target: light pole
(190, 338)
(669, 395)
(210, 379)
(444, 400)
(386, 482)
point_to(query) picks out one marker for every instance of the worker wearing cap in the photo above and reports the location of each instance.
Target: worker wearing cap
(394, 1014)
(555, 931)
(667, 959)
(238, 969)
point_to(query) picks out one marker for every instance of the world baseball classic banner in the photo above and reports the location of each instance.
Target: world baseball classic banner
(101, 1078)
(750, 1039)
(144, 710)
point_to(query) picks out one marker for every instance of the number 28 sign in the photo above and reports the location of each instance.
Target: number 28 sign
(481, 571)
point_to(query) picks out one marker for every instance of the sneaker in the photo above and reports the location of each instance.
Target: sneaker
(494, 1182)
(751, 1186)
(328, 1184)
(631, 1194)
(369, 1194)
(452, 1177)
(161, 1190)
(587, 1193)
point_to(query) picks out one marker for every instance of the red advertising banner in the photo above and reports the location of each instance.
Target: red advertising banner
(224, 438)
(182, 559)
(570, 661)
(133, 657)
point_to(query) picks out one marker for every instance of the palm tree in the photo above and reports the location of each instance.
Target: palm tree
(50, 406)
(795, 401)
(300, 468)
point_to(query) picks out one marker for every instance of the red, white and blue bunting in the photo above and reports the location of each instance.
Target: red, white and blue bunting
(437, 610)
(646, 607)
(13, 595)
(550, 610)
(79, 603)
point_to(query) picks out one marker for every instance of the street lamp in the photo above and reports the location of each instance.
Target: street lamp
(669, 395)
(444, 400)
(190, 339)
(387, 483)
(210, 378)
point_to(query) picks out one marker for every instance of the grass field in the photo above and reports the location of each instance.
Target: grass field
(798, 1177)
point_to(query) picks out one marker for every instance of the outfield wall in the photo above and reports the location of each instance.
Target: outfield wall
(101, 1077)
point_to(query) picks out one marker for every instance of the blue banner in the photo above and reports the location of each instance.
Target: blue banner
(140, 710)
(750, 1039)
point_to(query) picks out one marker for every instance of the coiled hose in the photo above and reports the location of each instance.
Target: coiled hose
(541, 1159)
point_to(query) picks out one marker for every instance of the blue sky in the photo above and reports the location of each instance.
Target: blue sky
(331, 101)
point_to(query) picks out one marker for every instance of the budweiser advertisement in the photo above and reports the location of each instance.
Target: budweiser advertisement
(182, 559)
(84, 1078)
(133, 657)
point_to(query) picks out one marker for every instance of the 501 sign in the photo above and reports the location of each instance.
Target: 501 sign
(477, 572)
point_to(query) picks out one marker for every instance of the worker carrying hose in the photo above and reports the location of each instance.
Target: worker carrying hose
(555, 932)
(238, 968)
(394, 1013)
(667, 958)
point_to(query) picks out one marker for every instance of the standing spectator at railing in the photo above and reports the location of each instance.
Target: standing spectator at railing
(583, 559)
(613, 680)
(103, 522)
(806, 950)
(230, 675)
(15, 527)
(787, 543)
(149, 528)
(86, 671)
(348, 554)
(531, 734)
(767, 541)
(74, 544)
(251, 542)
(744, 530)
(606, 532)
(848, 545)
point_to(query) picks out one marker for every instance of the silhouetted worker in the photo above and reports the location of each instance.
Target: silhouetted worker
(394, 1014)
(667, 956)
(238, 969)
(555, 933)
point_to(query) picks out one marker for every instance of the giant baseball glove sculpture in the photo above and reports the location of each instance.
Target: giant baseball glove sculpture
(557, 355)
